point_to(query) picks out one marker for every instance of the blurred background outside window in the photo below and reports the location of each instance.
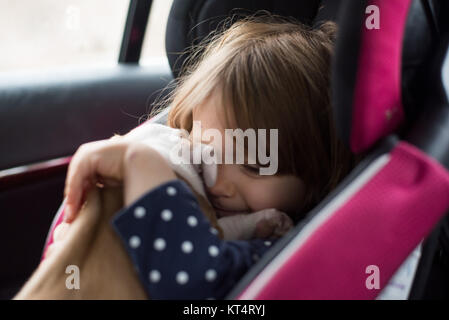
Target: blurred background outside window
(154, 43)
(44, 34)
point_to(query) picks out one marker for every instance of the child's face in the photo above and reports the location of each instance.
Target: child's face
(238, 188)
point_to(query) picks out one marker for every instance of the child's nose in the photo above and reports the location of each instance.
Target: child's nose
(223, 187)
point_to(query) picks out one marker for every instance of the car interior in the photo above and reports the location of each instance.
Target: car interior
(46, 117)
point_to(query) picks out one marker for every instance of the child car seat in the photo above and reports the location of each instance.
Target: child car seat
(394, 198)
(383, 209)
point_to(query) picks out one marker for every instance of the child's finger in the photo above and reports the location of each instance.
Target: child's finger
(77, 183)
(75, 199)
(51, 249)
(108, 182)
(60, 231)
(94, 162)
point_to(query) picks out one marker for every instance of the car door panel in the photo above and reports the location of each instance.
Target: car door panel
(44, 117)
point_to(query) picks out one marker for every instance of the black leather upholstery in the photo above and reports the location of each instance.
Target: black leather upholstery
(191, 20)
(46, 115)
(80, 106)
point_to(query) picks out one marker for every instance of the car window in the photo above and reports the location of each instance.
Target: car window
(154, 43)
(41, 34)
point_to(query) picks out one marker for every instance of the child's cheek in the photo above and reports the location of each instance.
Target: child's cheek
(280, 194)
(262, 195)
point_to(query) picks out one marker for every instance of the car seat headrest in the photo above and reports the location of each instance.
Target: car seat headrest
(190, 21)
(379, 75)
(366, 75)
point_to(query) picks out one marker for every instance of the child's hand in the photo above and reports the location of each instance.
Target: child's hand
(93, 163)
(59, 235)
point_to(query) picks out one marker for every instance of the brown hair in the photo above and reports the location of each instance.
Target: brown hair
(276, 75)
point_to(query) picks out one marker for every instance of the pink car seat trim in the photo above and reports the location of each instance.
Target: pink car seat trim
(379, 224)
(59, 217)
(377, 109)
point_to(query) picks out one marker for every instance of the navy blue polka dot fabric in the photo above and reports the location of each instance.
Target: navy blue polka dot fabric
(174, 249)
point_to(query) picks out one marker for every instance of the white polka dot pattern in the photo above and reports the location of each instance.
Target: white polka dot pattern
(134, 242)
(182, 277)
(171, 191)
(159, 244)
(192, 221)
(155, 276)
(213, 251)
(187, 247)
(211, 274)
(181, 249)
(139, 212)
(166, 215)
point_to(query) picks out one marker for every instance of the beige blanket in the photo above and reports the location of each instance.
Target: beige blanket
(105, 270)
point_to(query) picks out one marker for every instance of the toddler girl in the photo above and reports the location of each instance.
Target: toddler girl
(261, 73)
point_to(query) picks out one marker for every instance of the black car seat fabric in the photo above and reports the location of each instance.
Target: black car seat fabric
(425, 97)
(190, 21)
